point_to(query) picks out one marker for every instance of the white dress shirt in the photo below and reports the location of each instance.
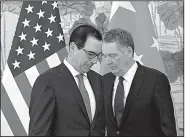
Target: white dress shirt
(87, 86)
(128, 77)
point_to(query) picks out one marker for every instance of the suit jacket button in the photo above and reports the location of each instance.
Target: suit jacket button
(117, 132)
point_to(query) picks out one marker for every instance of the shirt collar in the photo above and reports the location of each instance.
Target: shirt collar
(130, 73)
(73, 71)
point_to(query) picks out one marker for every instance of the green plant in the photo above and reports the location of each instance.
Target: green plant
(171, 14)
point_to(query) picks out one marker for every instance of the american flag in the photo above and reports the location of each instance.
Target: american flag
(38, 45)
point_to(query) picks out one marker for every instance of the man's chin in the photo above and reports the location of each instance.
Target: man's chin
(115, 72)
(85, 70)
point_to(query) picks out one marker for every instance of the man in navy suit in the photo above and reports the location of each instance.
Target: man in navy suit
(67, 100)
(137, 98)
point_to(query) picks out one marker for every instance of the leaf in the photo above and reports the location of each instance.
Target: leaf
(107, 5)
(81, 21)
(4, 7)
(179, 61)
(174, 63)
(101, 18)
(85, 8)
(171, 14)
(14, 7)
(106, 25)
(101, 22)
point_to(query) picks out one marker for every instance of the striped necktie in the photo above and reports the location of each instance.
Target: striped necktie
(85, 95)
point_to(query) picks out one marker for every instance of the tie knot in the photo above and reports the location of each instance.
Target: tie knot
(121, 79)
(80, 77)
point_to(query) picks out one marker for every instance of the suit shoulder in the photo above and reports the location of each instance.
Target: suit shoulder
(50, 72)
(108, 75)
(153, 71)
(44, 77)
(95, 73)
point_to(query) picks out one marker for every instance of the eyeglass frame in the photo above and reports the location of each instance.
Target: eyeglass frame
(95, 55)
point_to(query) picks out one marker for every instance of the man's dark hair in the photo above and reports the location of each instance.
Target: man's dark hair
(123, 37)
(81, 33)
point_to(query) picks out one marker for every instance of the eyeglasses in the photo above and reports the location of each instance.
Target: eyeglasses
(92, 55)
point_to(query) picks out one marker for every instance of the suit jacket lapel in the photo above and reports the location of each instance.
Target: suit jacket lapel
(71, 84)
(135, 86)
(96, 87)
(109, 88)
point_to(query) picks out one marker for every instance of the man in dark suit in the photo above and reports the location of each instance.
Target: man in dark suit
(137, 98)
(67, 100)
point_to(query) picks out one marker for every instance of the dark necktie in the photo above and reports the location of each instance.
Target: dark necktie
(118, 102)
(85, 95)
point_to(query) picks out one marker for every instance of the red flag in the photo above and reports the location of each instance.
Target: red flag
(138, 22)
(135, 17)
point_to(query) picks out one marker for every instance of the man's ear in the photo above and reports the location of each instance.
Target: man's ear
(130, 51)
(72, 47)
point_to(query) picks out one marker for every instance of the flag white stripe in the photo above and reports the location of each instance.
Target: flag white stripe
(10, 114)
(32, 74)
(5, 128)
(16, 97)
(53, 60)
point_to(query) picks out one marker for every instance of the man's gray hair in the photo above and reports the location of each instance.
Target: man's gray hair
(123, 37)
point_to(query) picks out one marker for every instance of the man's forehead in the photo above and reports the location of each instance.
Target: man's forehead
(93, 44)
(109, 48)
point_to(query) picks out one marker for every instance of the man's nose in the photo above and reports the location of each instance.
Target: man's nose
(94, 60)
